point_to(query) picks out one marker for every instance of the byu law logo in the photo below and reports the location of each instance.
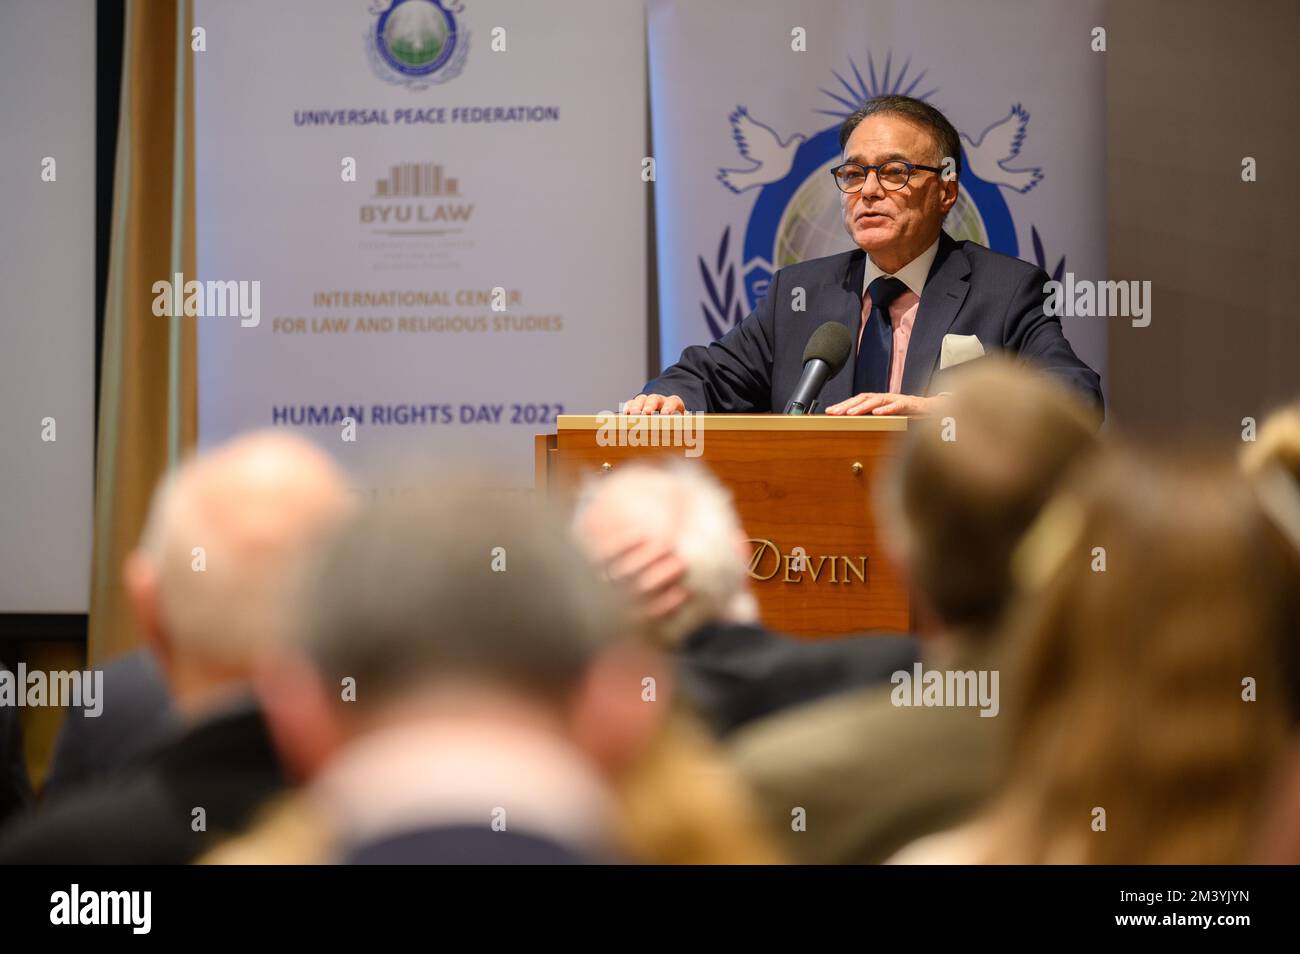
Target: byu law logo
(417, 194)
(796, 212)
(417, 43)
(75, 906)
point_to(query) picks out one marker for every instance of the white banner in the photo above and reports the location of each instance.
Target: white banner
(442, 205)
(1019, 80)
(47, 333)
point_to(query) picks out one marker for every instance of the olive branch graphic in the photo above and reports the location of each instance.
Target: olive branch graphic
(722, 312)
(1041, 257)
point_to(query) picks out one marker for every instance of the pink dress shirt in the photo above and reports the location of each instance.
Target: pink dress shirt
(902, 314)
(902, 310)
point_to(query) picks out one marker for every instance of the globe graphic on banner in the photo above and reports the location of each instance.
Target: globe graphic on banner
(813, 225)
(416, 32)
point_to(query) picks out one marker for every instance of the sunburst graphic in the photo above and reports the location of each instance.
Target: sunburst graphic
(870, 87)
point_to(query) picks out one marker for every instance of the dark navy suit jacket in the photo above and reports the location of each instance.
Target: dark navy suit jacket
(15, 789)
(735, 673)
(225, 765)
(971, 290)
(465, 845)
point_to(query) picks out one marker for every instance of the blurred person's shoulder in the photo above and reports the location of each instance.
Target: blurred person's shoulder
(818, 777)
(863, 775)
(967, 844)
(138, 721)
(814, 753)
(118, 822)
(824, 735)
(811, 738)
(289, 830)
(15, 788)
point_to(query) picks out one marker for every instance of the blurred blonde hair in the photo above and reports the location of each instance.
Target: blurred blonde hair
(684, 803)
(1127, 693)
(1277, 444)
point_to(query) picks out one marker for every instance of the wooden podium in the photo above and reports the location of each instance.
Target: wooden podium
(802, 486)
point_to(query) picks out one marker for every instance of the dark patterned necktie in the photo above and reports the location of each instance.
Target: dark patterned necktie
(871, 371)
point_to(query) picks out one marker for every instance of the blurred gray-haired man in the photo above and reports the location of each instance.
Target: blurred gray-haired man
(224, 543)
(672, 537)
(467, 693)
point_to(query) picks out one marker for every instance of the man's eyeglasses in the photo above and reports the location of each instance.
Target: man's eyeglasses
(893, 175)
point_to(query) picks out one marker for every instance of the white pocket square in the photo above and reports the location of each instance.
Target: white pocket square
(958, 349)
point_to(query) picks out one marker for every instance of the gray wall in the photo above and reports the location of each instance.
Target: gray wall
(1193, 86)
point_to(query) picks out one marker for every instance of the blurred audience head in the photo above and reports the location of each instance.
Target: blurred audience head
(1153, 690)
(226, 537)
(1277, 841)
(1276, 445)
(452, 603)
(1272, 461)
(671, 535)
(968, 484)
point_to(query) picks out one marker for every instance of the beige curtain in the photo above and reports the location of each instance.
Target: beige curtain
(148, 408)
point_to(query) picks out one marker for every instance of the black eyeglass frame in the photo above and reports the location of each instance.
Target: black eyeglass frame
(911, 167)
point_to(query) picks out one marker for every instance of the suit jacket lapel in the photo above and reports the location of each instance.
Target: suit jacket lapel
(945, 290)
(848, 311)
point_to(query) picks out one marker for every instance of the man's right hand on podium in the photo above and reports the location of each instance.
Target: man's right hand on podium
(655, 404)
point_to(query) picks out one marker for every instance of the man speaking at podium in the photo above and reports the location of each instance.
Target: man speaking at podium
(913, 300)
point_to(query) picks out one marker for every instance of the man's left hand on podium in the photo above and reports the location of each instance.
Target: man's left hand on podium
(883, 404)
(653, 404)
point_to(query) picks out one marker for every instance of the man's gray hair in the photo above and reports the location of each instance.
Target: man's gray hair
(452, 583)
(226, 537)
(918, 111)
(686, 507)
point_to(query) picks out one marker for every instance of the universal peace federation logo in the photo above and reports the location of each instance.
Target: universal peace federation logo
(417, 43)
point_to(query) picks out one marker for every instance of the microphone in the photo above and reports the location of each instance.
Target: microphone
(827, 351)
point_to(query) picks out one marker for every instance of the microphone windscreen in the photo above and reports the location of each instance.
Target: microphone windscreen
(832, 342)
